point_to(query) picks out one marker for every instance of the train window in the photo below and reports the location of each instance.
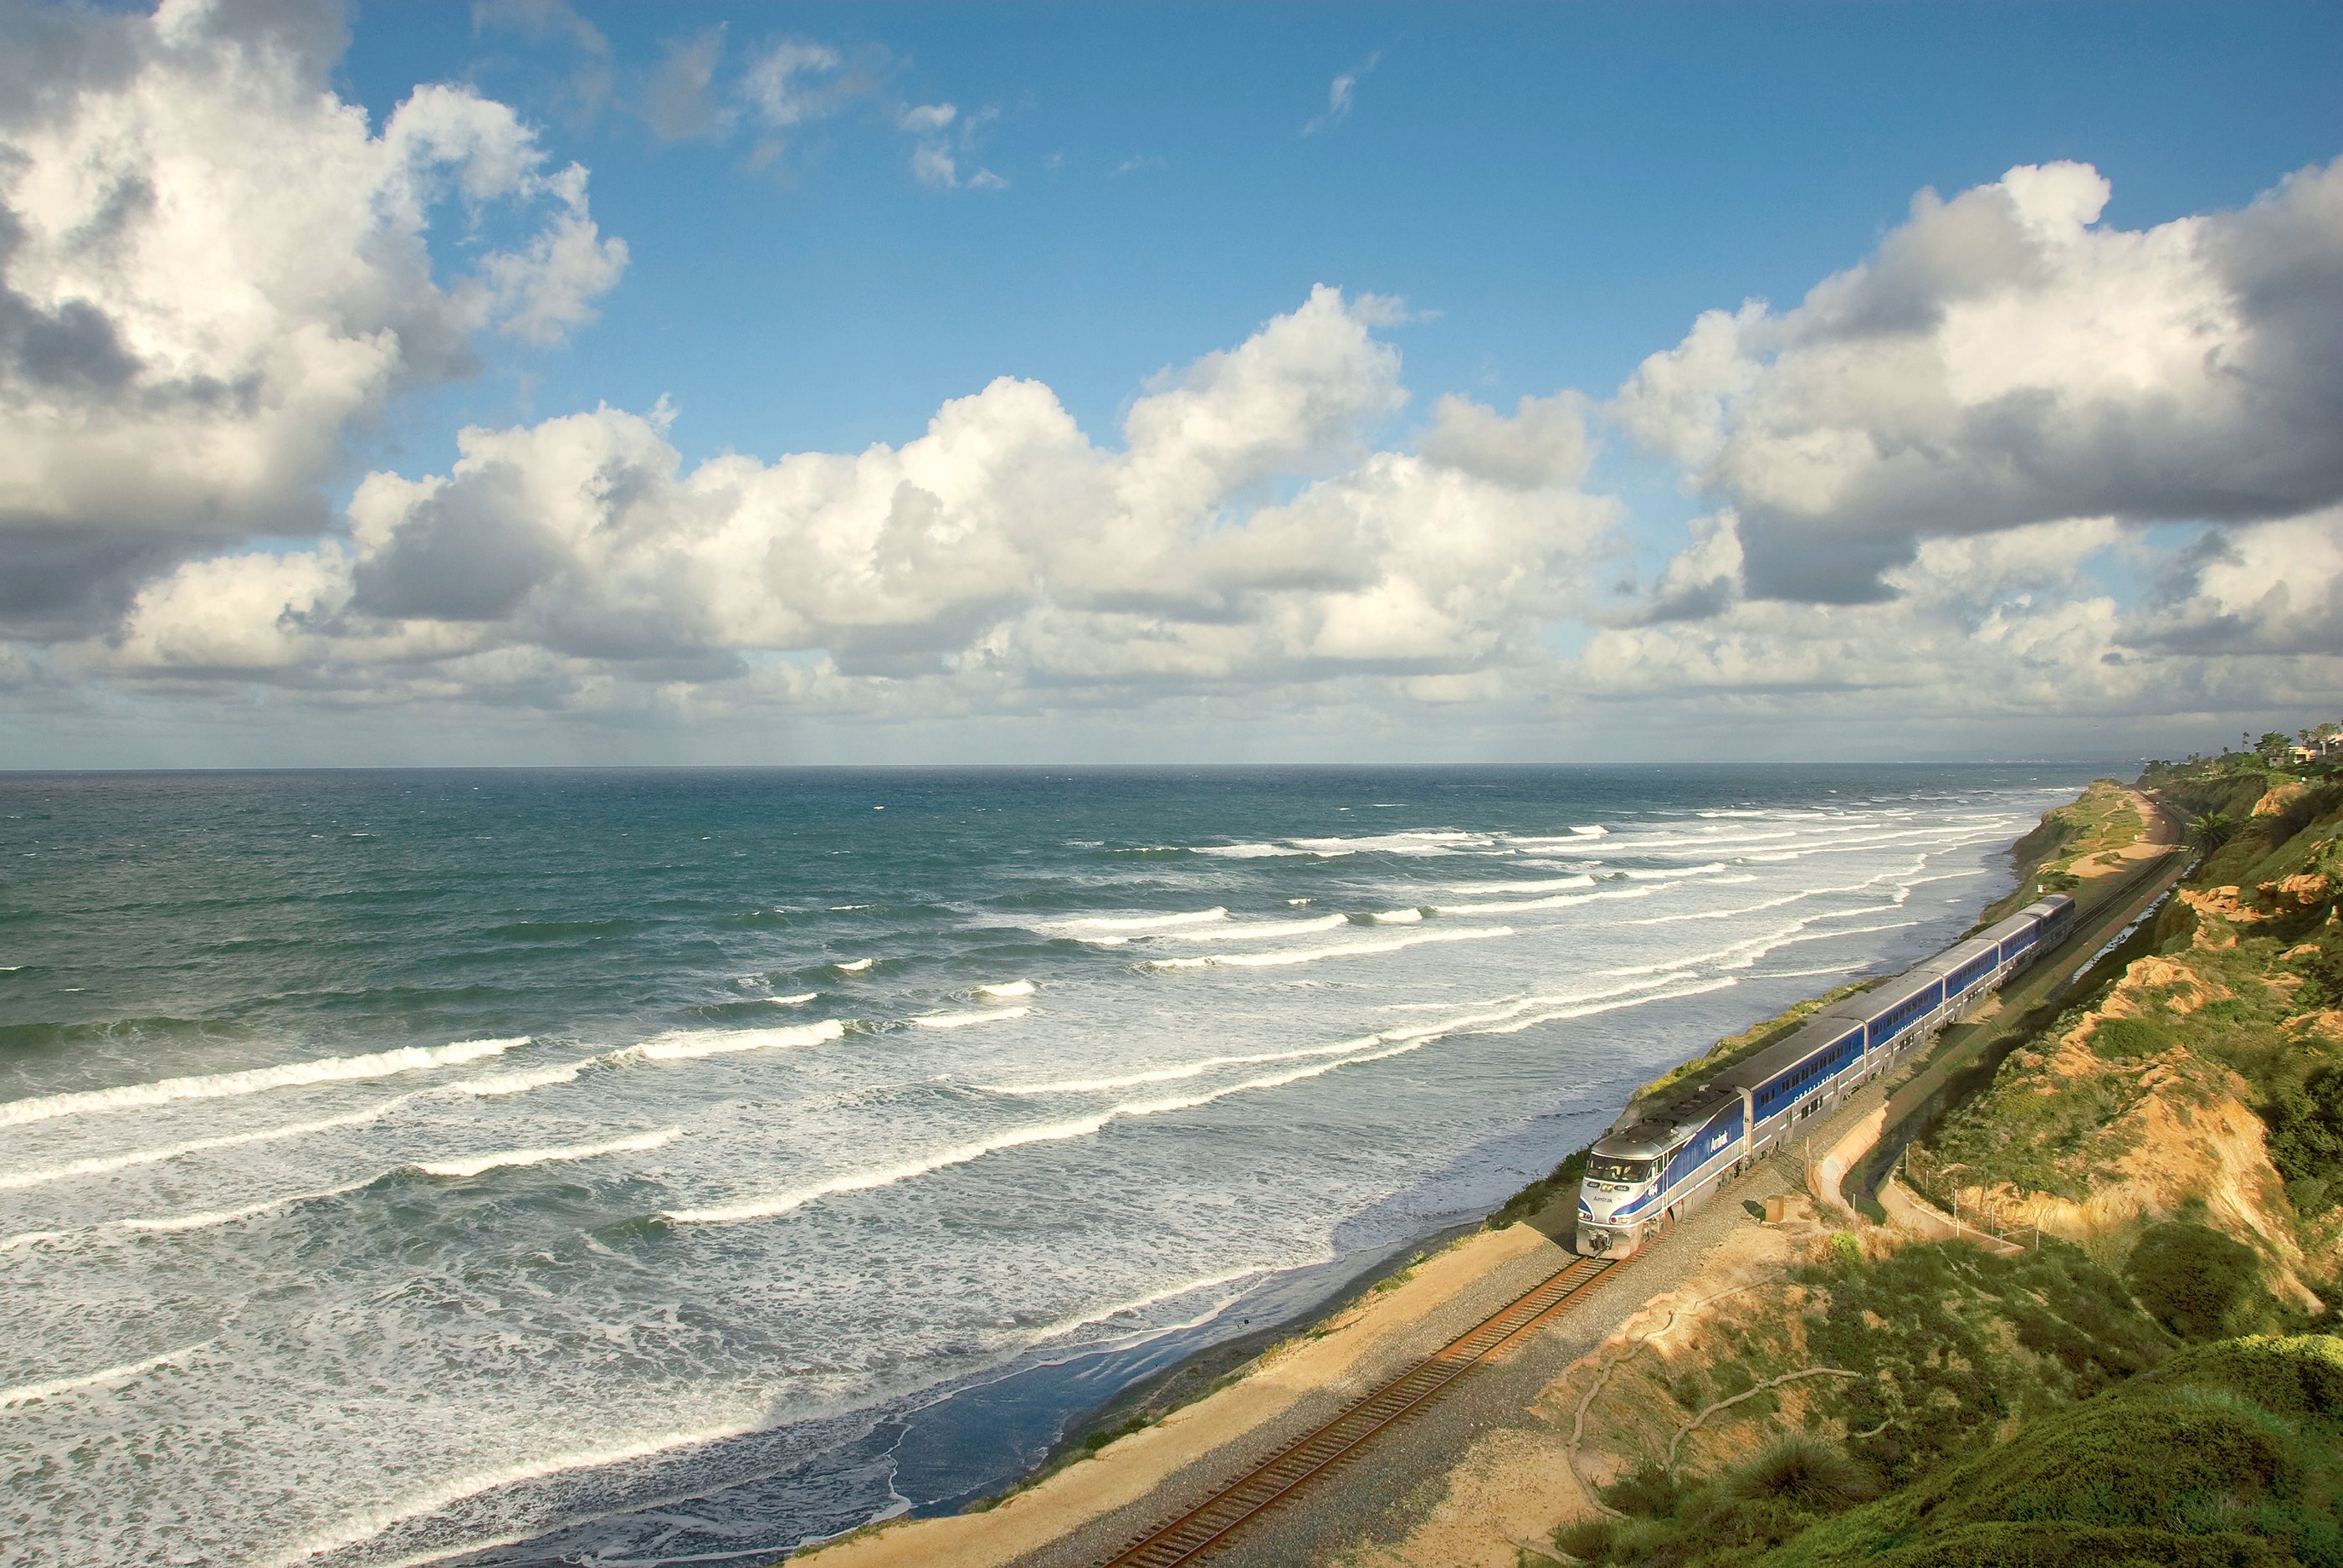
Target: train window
(1606, 1170)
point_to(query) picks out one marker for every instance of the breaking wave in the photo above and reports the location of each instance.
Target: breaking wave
(253, 1080)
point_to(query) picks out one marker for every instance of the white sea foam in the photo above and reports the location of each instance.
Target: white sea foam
(1180, 1071)
(475, 1164)
(1588, 1010)
(1559, 901)
(1401, 1042)
(31, 1238)
(205, 1220)
(1443, 841)
(1285, 956)
(35, 1392)
(852, 966)
(1575, 836)
(1106, 1314)
(1891, 841)
(1710, 870)
(368, 1524)
(1147, 922)
(516, 1082)
(105, 1164)
(962, 1019)
(691, 1045)
(253, 1080)
(1254, 930)
(1709, 842)
(777, 1204)
(1008, 989)
(799, 1000)
(1248, 851)
(1482, 1013)
(1543, 885)
(1398, 917)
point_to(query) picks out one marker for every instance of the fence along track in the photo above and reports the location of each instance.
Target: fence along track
(1204, 1528)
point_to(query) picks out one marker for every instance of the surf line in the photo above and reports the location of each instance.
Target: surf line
(40, 1392)
(870, 1178)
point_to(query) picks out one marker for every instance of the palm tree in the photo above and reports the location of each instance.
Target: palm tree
(2213, 828)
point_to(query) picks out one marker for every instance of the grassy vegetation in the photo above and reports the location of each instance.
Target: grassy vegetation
(1541, 1193)
(2046, 1409)
(2228, 1454)
(2105, 818)
(2237, 1003)
(1952, 1344)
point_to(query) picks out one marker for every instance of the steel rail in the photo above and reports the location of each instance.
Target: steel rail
(1206, 1526)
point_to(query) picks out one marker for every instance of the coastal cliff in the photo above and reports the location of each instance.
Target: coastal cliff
(2145, 1372)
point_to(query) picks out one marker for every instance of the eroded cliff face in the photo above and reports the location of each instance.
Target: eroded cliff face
(2159, 1102)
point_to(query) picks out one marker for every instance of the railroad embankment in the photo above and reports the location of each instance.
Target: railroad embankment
(2148, 1374)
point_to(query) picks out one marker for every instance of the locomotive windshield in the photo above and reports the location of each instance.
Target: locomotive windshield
(1603, 1168)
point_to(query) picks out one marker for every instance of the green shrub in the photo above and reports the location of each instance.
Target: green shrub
(2306, 1139)
(2122, 1039)
(2228, 1454)
(1651, 1492)
(2191, 1279)
(1540, 1192)
(1813, 1476)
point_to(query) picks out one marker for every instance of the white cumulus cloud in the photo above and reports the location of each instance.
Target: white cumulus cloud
(1246, 533)
(211, 265)
(2006, 358)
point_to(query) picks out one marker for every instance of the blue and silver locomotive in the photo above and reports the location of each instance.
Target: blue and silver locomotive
(1662, 1159)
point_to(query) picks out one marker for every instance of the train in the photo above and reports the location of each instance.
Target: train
(1667, 1155)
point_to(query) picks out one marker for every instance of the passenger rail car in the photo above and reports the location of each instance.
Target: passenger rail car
(1659, 1160)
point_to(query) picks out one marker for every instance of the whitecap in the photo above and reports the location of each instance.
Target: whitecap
(104, 1164)
(1543, 885)
(35, 1392)
(692, 1045)
(517, 1083)
(1398, 917)
(1008, 989)
(799, 1000)
(252, 1080)
(1559, 901)
(785, 1202)
(1254, 930)
(852, 966)
(1247, 851)
(1342, 949)
(510, 1158)
(962, 1019)
(1147, 922)
(1435, 841)
(207, 1219)
(370, 1522)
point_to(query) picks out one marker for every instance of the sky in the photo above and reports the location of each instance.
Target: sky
(532, 382)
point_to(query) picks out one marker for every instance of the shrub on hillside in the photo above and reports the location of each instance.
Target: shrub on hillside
(2121, 1038)
(2193, 1279)
(2231, 1453)
(2306, 1140)
(1809, 1475)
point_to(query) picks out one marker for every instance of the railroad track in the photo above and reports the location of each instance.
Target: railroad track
(1207, 1527)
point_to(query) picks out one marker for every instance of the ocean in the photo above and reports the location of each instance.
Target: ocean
(514, 1167)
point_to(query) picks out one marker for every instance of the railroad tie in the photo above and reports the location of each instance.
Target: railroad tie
(1206, 1526)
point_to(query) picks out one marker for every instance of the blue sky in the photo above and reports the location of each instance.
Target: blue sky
(2032, 437)
(1566, 186)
